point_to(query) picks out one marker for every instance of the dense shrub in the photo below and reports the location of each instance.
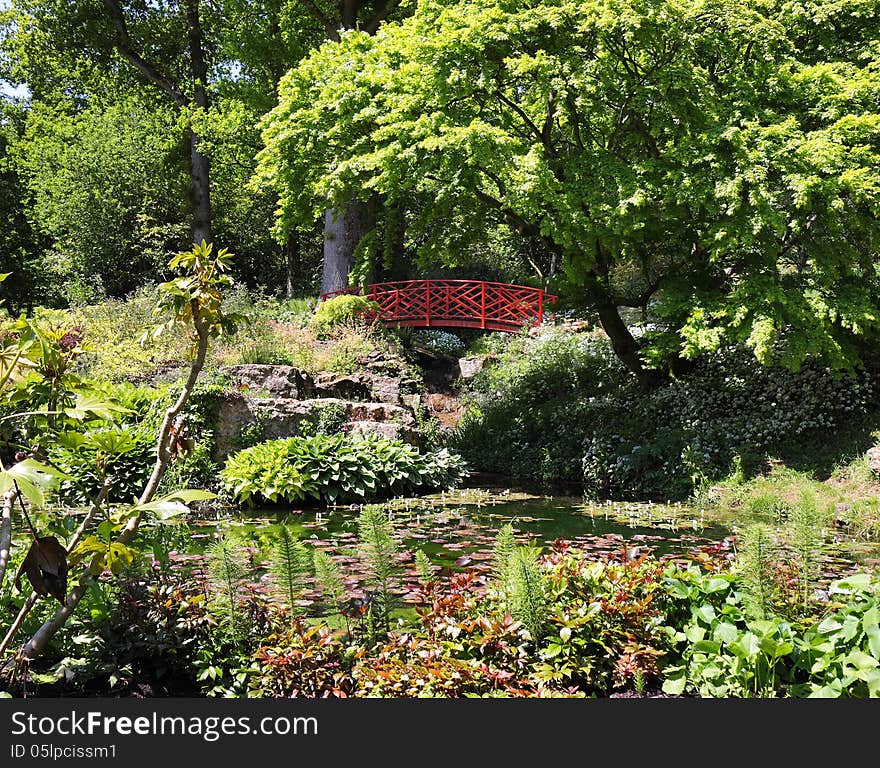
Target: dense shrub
(336, 467)
(562, 408)
(339, 310)
(125, 454)
(722, 651)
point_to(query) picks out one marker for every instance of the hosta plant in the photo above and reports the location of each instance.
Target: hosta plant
(336, 467)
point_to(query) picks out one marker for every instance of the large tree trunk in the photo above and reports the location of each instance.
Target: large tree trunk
(200, 165)
(292, 261)
(200, 188)
(343, 231)
(625, 346)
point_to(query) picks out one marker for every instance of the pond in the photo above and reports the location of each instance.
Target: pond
(457, 530)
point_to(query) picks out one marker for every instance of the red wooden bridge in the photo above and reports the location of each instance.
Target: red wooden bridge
(456, 304)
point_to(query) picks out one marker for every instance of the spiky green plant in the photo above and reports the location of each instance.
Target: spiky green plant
(290, 563)
(226, 568)
(505, 545)
(525, 590)
(331, 584)
(424, 567)
(805, 532)
(379, 553)
(755, 561)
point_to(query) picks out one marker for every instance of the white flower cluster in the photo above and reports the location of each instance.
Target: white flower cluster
(441, 342)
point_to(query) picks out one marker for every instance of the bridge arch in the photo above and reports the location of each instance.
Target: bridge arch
(456, 304)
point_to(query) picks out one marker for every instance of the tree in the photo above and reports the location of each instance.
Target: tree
(347, 224)
(189, 77)
(106, 187)
(19, 244)
(710, 162)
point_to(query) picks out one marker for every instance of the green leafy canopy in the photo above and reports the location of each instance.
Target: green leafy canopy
(714, 161)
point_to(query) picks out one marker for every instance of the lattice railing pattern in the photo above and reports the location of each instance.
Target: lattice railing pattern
(457, 303)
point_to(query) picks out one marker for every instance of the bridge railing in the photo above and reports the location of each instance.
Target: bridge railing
(457, 303)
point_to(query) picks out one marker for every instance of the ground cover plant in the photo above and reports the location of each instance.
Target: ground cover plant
(561, 621)
(580, 418)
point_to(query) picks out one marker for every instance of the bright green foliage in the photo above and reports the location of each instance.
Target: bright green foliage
(103, 193)
(526, 591)
(335, 467)
(424, 567)
(289, 564)
(339, 310)
(724, 654)
(329, 579)
(124, 453)
(755, 559)
(715, 161)
(196, 297)
(20, 258)
(505, 545)
(226, 568)
(562, 407)
(842, 652)
(379, 552)
(806, 528)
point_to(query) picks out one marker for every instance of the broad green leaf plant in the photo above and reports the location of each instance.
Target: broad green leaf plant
(193, 300)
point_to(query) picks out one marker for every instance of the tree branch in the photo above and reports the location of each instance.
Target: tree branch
(126, 49)
(330, 28)
(381, 14)
(525, 118)
(6, 532)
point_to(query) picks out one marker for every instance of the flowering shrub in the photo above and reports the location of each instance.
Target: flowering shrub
(441, 342)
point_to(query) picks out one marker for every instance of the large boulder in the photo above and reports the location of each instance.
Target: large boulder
(270, 381)
(470, 366)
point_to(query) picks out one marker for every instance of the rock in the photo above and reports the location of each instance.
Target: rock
(385, 389)
(270, 380)
(343, 387)
(272, 418)
(873, 455)
(471, 366)
(411, 401)
(387, 429)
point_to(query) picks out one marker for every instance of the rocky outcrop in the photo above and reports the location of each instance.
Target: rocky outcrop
(265, 402)
(283, 381)
(381, 381)
(471, 366)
